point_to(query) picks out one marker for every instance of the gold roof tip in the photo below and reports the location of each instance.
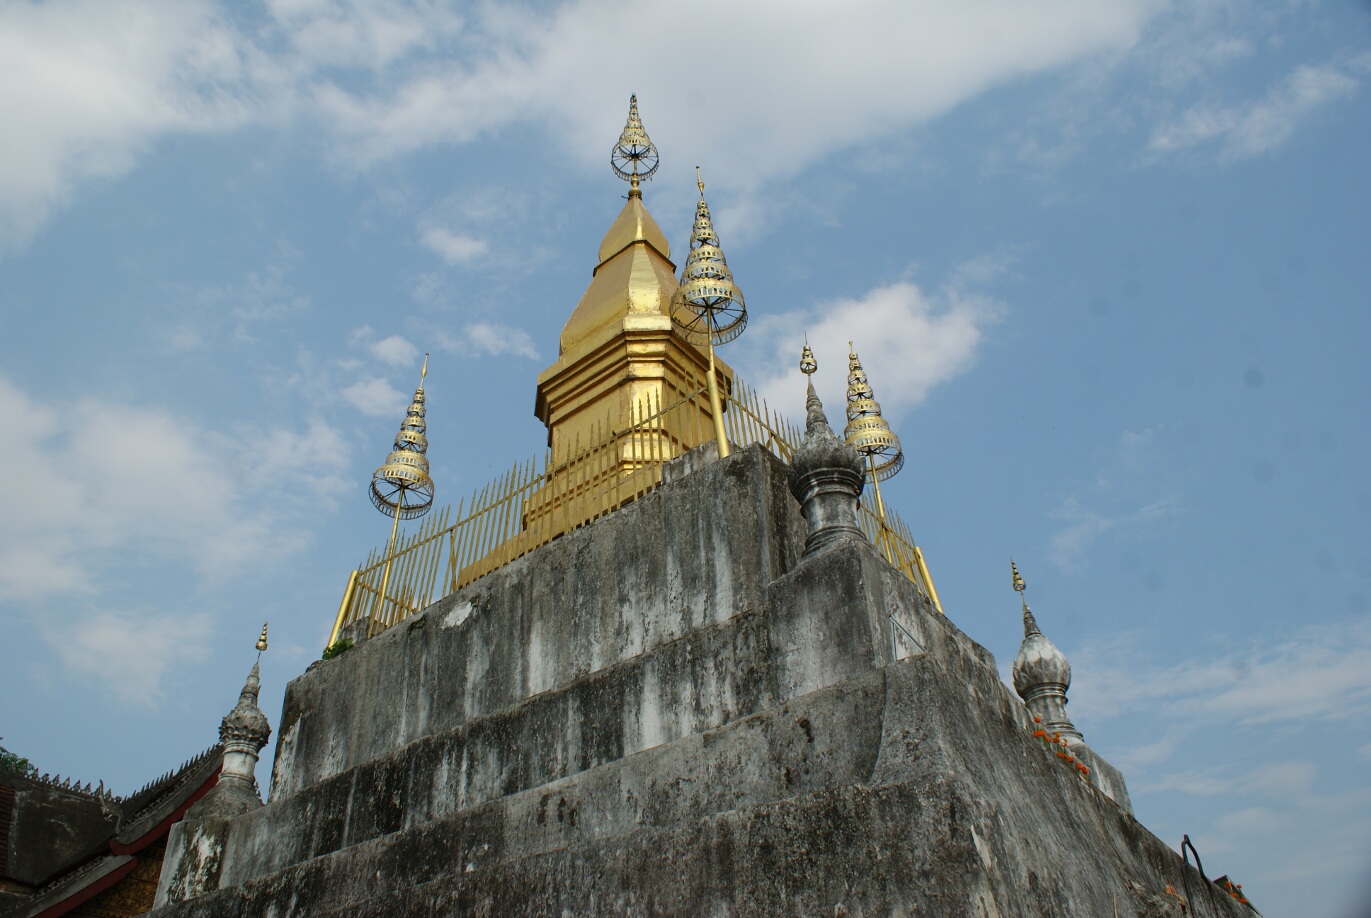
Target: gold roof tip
(262, 641)
(867, 432)
(634, 158)
(1019, 585)
(708, 307)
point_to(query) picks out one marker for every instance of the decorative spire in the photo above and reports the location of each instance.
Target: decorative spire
(402, 486)
(242, 734)
(808, 365)
(1041, 674)
(708, 307)
(1030, 624)
(867, 432)
(825, 474)
(262, 641)
(634, 158)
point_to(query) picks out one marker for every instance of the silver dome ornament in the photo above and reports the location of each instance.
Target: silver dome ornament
(1042, 674)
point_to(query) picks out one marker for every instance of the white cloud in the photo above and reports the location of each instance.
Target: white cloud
(453, 248)
(395, 351)
(1255, 127)
(488, 338)
(101, 645)
(88, 86)
(901, 64)
(375, 397)
(118, 481)
(908, 341)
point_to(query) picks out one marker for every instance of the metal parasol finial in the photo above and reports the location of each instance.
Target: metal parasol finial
(867, 432)
(402, 487)
(708, 308)
(634, 157)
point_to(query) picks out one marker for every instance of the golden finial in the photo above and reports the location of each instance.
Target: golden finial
(634, 157)
(867, 432)
(262, 641)
(402, 486)
(808, 365)
(1019, 585)
(708, 307)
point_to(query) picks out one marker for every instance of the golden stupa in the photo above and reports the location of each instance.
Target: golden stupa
(620, 355)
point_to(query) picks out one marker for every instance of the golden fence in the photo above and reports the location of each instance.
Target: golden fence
(542, 498)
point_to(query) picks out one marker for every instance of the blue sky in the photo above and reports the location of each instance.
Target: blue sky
(1105, 262)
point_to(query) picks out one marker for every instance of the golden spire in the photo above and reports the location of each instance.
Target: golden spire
(808, 365)
(870, 434)
(708, 307)
(402, 486)
(867, 432)
(1019, 585)
(634, 157)
(262, 641)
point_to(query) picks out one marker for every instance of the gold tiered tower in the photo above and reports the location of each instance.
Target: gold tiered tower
(619, 350)
(708, 307)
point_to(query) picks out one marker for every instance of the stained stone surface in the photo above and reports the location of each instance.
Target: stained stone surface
(668, 713)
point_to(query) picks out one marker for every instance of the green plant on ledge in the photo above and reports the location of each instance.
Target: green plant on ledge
(337, 647)
(16, 764)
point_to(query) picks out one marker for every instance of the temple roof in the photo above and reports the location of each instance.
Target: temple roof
(635, 276)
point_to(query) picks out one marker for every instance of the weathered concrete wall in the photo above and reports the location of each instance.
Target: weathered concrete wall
(648, 574)
(665, 714)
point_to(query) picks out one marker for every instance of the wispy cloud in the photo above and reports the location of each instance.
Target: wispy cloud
(909, 342)
(488, 338)
(1318, 674)
(1248, 129)
(91, 86)
(453, 248)
(375, 397)
(101, 645)
(1123, 495)
(120, 480)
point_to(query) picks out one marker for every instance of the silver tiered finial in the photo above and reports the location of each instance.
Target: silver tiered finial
(242, 734)
(1041, 674)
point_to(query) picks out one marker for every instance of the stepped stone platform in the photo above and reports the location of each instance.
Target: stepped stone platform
(670, 712)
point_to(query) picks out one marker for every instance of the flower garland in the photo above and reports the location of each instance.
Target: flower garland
(1058, 747)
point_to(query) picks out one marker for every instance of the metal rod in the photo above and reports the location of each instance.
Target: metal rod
(928, 580)
(343, 608)
(390, 554)
(880, 509)
(715, 408)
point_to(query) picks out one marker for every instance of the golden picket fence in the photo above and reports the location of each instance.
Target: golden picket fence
(542, 498)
